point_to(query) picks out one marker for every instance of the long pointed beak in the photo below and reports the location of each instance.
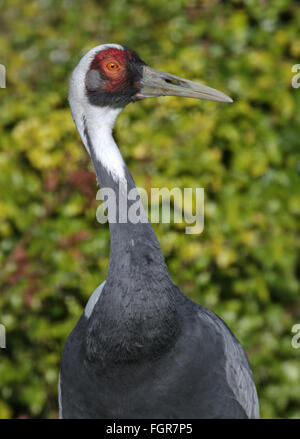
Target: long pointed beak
(156, 83)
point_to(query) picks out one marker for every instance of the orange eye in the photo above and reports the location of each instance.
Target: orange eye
(112, 66)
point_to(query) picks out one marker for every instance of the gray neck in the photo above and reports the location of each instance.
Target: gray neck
(133, 245)
(137, 305)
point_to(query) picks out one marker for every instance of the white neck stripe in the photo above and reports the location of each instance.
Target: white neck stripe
(99, 120)
(99, 123)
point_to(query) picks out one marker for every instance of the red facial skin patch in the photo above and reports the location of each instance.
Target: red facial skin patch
(115, 78)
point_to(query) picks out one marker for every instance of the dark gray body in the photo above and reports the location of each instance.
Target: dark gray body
(203, 374)
(147, 351)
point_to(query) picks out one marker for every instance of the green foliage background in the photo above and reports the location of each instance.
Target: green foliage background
(53, 253)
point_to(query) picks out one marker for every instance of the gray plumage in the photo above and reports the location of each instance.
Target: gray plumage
(142, 349)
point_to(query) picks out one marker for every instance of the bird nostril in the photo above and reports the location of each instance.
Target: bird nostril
(176, 82)
(172, 81)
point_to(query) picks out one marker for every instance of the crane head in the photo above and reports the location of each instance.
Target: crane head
(115, 75)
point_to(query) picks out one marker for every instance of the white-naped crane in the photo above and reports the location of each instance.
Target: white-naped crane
(141, 349)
